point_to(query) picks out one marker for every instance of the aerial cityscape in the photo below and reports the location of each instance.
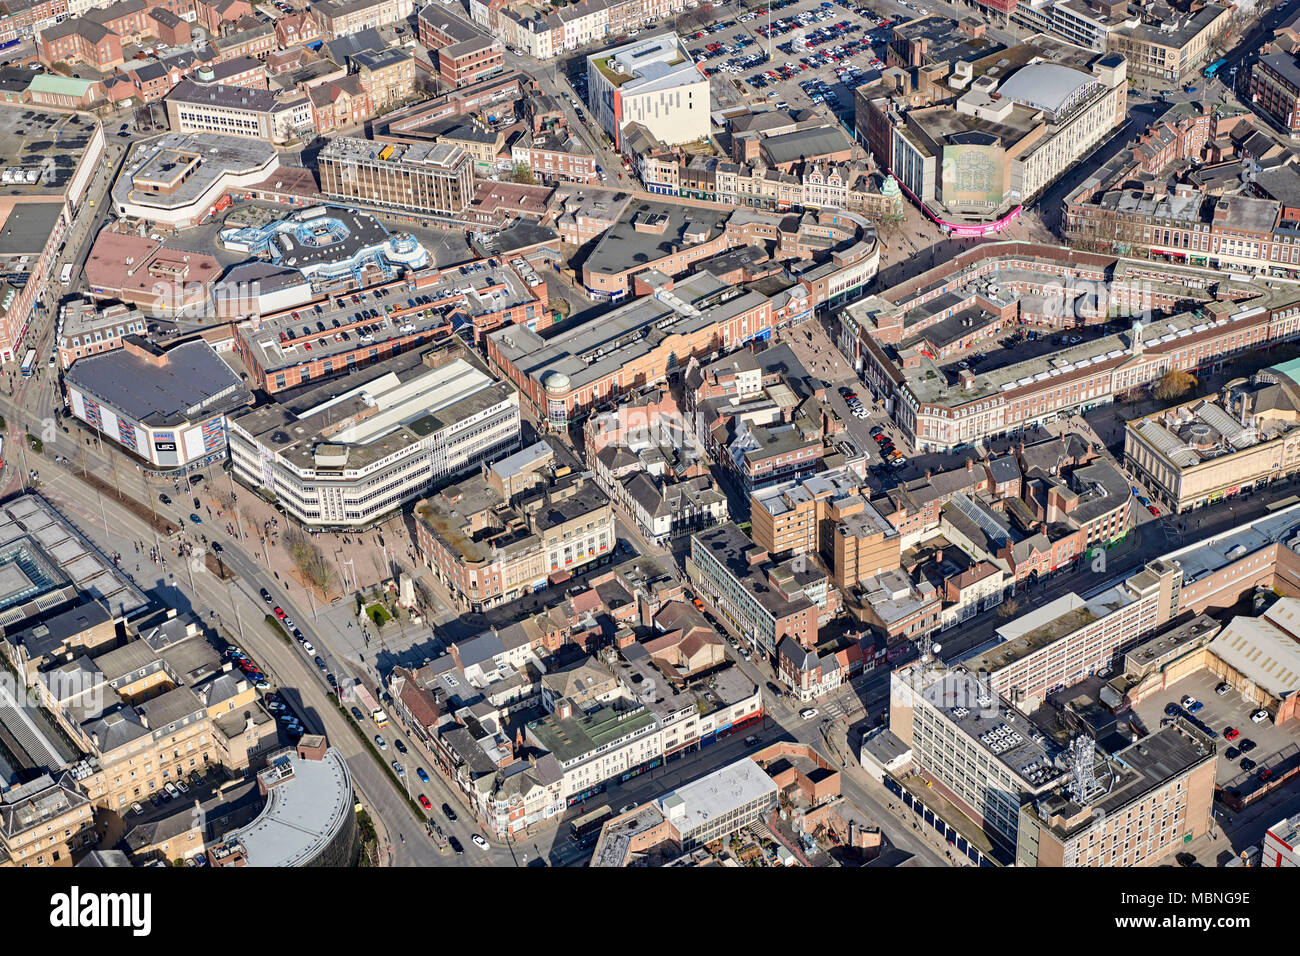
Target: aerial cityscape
(649, 433)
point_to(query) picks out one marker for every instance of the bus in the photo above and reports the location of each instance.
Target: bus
(1215, 67)
(586, 829)
(66, 275)
(29, 363)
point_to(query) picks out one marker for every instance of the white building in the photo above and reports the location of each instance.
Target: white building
(654, 82)
(351, 452)
(168, 408)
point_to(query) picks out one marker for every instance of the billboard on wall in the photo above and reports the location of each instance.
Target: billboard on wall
(973, 176)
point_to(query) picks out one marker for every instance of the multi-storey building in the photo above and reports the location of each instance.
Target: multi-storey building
(827, 515)
(230, 110)
(465, 53)
(972, 746)
(1275, 89)
(339, 18)
(654, 82)
(945, 406)
(1167, 44)
(45, 822)
(435, 180)
(932, 131)
(739, 581)
(88, 329)
(1063, 642)
(1200, 452)
(356, 450)
(1147, 800)
(513, 528)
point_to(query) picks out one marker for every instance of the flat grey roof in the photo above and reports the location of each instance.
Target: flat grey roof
(192, 382)
(301, 814)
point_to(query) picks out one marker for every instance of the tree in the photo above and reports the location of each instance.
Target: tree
(524, 175)
(1008, 608)
(1174, 384)
(309, 559)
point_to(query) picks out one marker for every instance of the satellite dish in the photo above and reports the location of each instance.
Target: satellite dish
(936, 648)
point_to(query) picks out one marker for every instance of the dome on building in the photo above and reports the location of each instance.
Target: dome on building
(1198, 435)
(556, 383)
(1047, 86)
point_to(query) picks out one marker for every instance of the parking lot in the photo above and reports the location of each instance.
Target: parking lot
(1257, 746)
(795, 53)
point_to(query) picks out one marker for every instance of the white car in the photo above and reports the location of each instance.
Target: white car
(380, 742)
(479, 842)
(307, 646)
(808, 713)
(1259, 716)
(1187, 701)
(398, 768)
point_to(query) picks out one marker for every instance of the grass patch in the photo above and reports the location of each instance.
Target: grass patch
(378, 614)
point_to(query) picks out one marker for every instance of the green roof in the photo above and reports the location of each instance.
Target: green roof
(580, 736)
(64, 85)
(1290, 369)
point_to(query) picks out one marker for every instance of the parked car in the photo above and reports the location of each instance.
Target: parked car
(479, 842)
(1245, 745)
(398, 768)
(448, 812)
(320, 662)
(454, 843)
(1187, 701)
(380, 742)
(1222, 688)
(1247, 764)
(356, 713)
(424, 802)
(1232, 753)
(1259, 716)
(420, 772)
(401, 747)
(136, 808)
(1231, 733)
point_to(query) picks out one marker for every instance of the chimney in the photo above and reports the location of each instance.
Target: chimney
(970, 466)
(563, 708)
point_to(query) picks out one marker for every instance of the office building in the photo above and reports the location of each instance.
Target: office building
(355, 450)
(430, 180)
(653, 82)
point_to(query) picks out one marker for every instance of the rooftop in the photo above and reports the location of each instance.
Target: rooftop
(187, 381)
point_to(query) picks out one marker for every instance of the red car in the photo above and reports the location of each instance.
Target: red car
(424, 802)
(1266, 774)
(1232, 733)
(1154, 510)
(279, 612)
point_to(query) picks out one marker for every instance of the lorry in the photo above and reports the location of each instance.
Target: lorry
(369, 705)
